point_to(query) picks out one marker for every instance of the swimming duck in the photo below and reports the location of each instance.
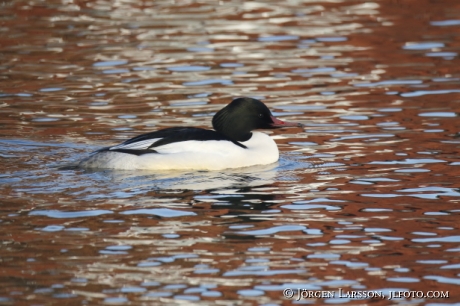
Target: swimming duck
(232, 143)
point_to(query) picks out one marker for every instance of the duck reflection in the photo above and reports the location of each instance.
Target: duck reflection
(196, 180)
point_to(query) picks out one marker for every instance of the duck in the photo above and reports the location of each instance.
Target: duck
(232, 144)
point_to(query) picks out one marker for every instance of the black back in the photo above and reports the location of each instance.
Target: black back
(171, 135)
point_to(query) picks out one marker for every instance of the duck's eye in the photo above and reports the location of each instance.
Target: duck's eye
(261, 115)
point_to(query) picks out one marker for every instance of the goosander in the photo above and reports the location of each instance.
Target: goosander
(231, 144)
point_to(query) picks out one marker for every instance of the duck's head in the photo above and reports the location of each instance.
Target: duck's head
(243, 115)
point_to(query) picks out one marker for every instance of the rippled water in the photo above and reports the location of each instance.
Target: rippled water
(364, 198)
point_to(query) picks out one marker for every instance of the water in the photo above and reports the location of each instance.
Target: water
(364, 197)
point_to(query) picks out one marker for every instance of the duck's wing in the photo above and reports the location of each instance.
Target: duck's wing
(152, 142)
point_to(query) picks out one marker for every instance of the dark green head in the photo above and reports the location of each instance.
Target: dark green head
(243, 115)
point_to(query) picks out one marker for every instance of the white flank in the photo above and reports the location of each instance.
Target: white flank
(198, 155)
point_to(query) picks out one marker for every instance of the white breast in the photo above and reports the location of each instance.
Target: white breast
(199, 155)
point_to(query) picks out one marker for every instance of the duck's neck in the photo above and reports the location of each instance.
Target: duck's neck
(234, 134)
(235, 130)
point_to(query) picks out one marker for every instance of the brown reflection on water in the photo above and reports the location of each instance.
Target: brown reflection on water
(364, 197)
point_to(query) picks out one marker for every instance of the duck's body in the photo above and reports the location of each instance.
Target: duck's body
(230, 145)
(190, 154)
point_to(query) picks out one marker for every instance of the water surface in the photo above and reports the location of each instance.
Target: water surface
(364, 197)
